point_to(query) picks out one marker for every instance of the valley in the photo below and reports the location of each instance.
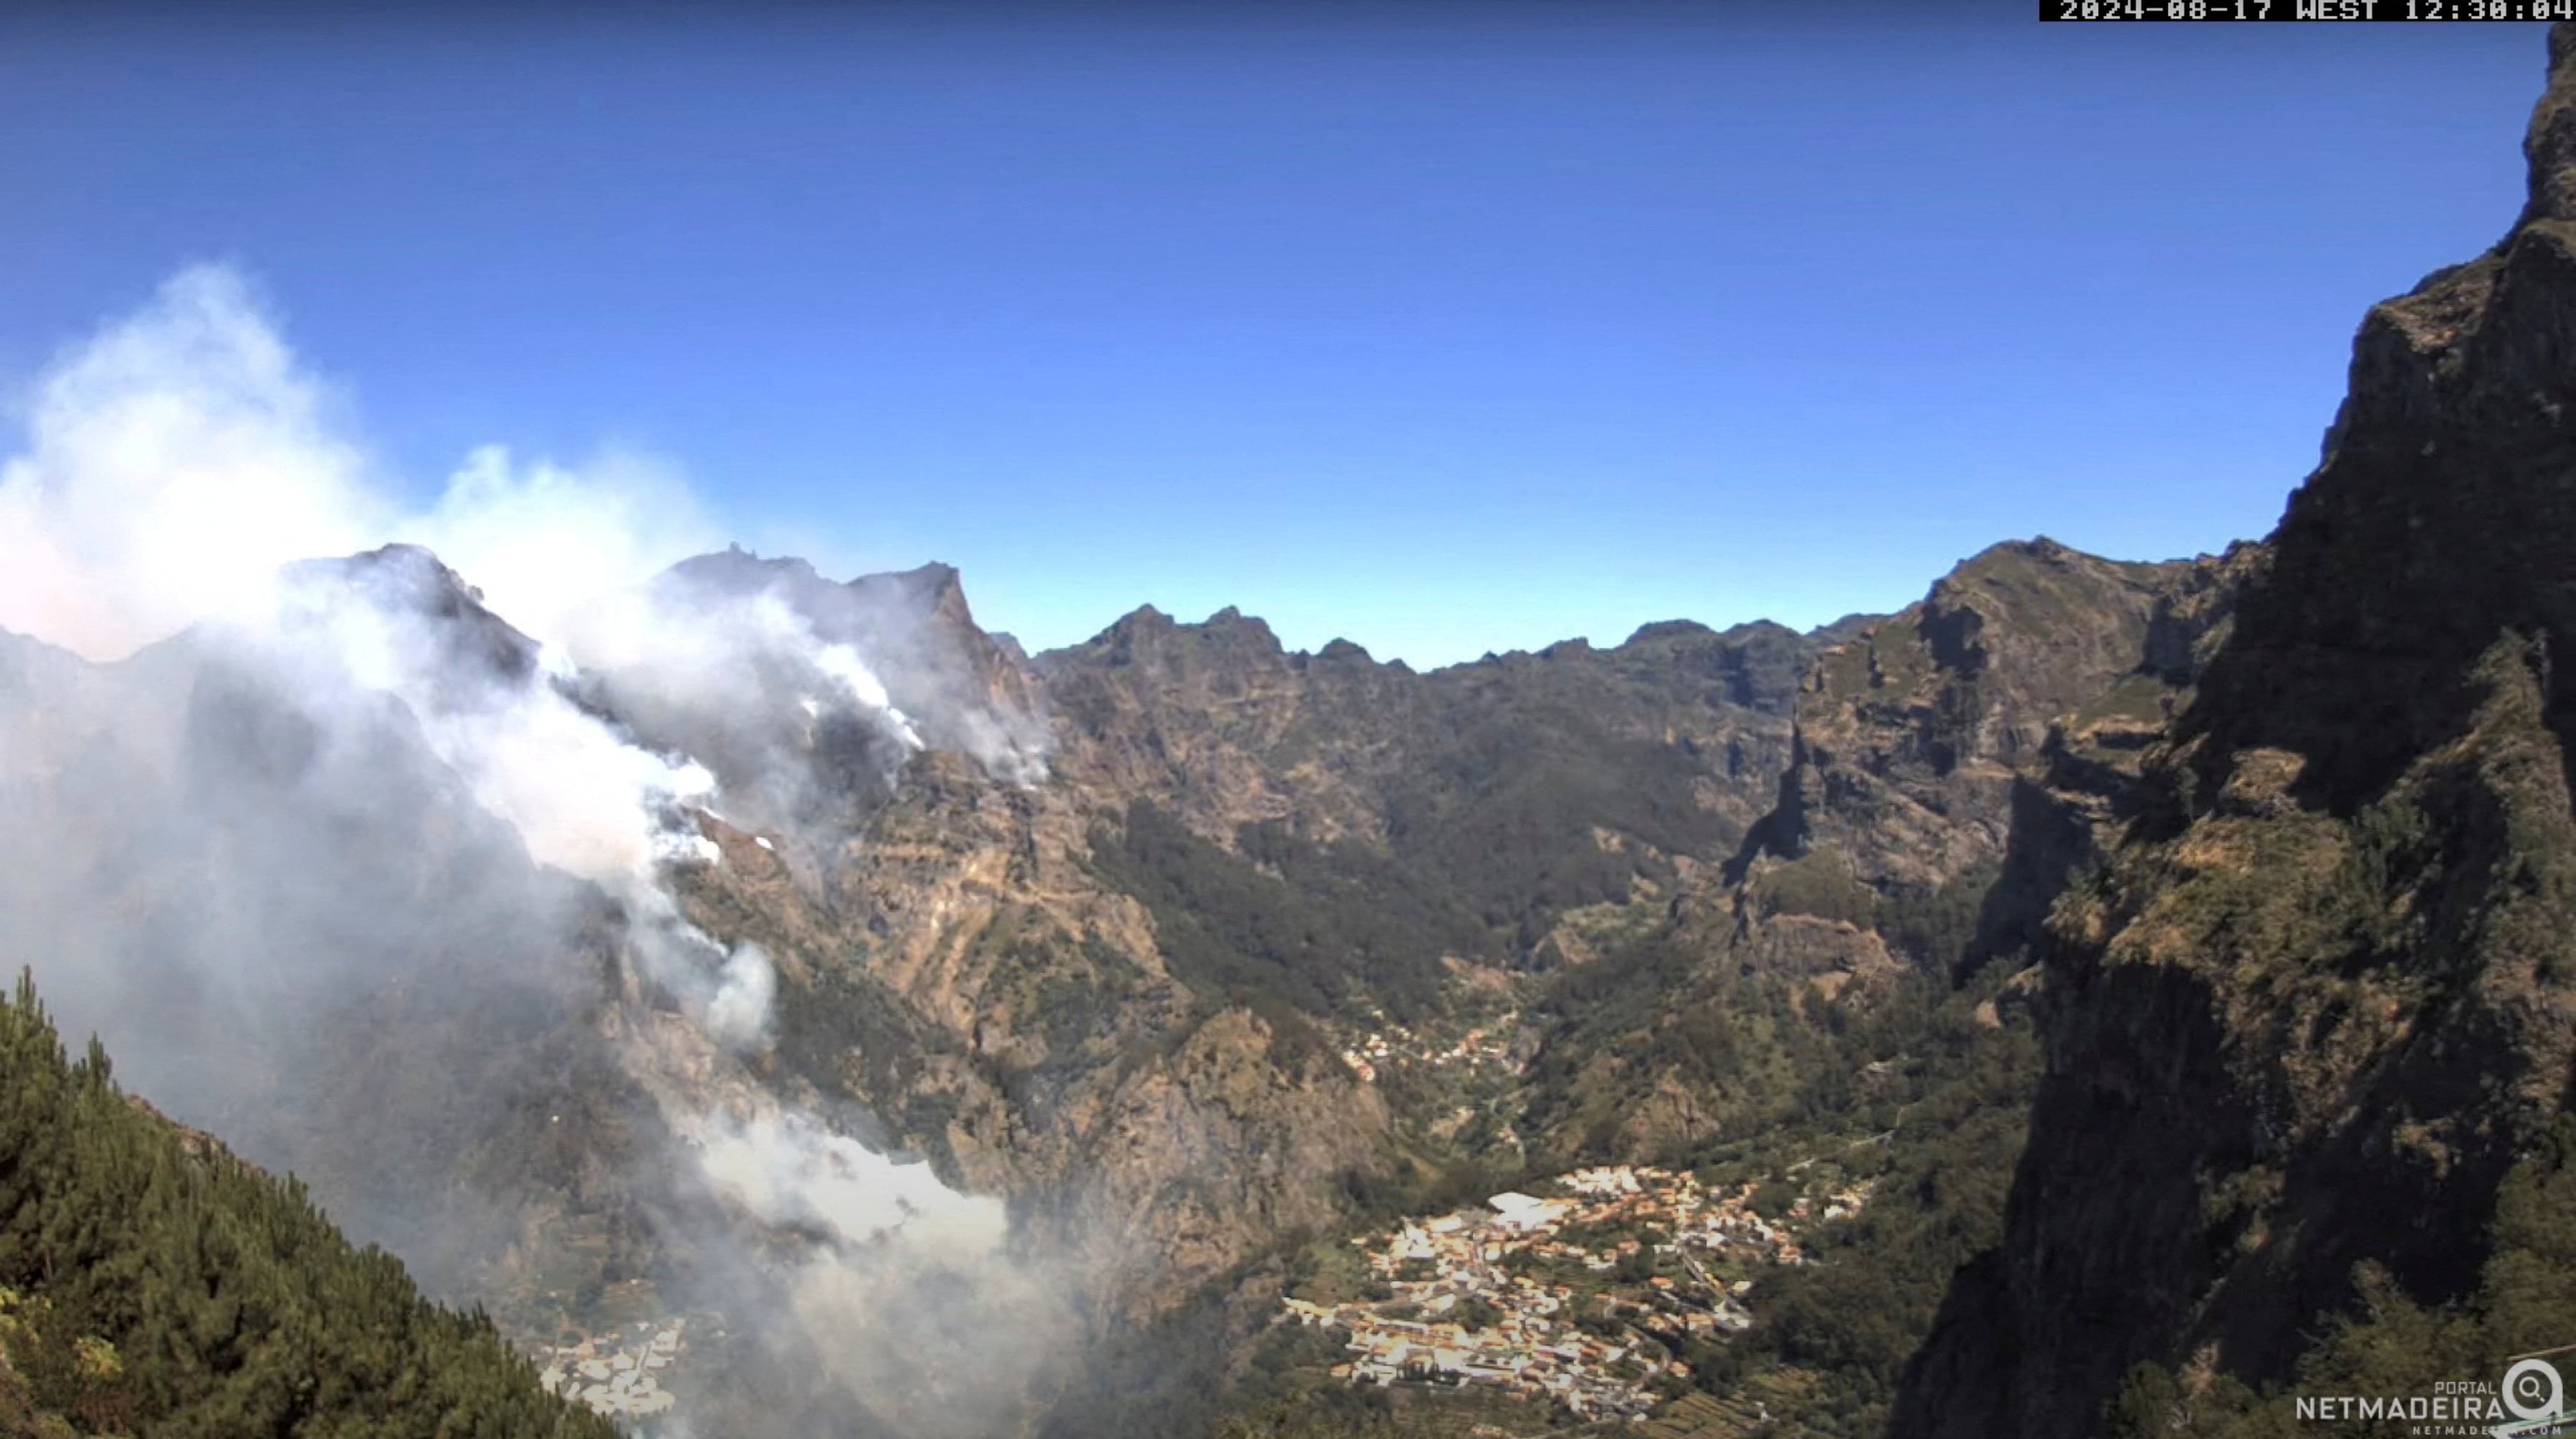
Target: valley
(2099, 999)
(1513, 1297)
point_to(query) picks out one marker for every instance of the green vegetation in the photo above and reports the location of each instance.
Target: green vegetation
(852, 1037)
(1818, 883)
(1507, 820)
(1924, 1088)
(2140, 698)
(1506, 794)
(1537, 812)
(1425, 1185)
(1338, 1413)
(1938, 928)
(2351, 942)
(1660, 1012)
(2391, 1345)
(1317, 927)
(151, 1284)
(1958, 1090)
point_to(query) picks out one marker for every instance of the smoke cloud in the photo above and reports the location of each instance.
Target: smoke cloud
(350, 827)
(174, 462)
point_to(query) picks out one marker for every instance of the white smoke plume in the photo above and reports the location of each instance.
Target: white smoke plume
(742, 681)
(793, 1172)
(174, 462)
(904, 1273)
(311, 805)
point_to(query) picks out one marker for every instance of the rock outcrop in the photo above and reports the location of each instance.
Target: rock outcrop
(1219, 724)
(2325, 997)
(1912, 734)
(1952, 767)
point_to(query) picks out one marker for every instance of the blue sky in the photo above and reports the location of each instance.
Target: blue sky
(1441, 328)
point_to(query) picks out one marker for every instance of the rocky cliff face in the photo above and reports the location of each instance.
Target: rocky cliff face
(2325, 998)
(1950, 767)
(958, 972)
(316, 944)
(1062, 1000)
(1218, 724)
(953, 967)
(1912, 734)
(1531, 811)
(1090, 930)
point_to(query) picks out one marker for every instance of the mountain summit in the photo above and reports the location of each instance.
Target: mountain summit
(2310, 1038)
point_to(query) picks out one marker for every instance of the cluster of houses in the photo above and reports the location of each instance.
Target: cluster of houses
(618, 1374)
(1471, 1301)
(1370, 1052)
(1692, 1215)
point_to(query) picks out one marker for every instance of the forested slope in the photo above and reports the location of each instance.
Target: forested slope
(151, 1283)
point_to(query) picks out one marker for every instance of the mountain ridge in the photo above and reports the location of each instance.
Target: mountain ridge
(1094, 929)
(2313, 1027)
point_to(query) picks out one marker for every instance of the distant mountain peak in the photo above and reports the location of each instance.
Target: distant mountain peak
(1228, 631)
(1341, 649)
(1667, 630)
(1141, 617)
(410, 580)
(933, 589)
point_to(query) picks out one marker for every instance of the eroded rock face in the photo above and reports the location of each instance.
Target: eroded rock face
(1911, 734)
(1218, 724)
(2327, 995)
(958, 959)
(965, 973)
(959, 971)
(952, 964)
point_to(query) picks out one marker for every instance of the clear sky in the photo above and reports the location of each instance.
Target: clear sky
(1444, 328)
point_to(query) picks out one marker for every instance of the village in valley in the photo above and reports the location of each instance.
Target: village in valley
(1485, 1045)
(1587, 1295)
(618, 1374)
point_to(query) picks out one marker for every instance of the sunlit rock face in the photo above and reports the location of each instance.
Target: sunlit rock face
(2326, 998)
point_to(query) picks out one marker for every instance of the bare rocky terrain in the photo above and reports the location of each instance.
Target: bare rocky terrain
(2113, 994)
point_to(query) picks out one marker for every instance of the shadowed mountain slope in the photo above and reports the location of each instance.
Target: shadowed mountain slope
(2323, 1004)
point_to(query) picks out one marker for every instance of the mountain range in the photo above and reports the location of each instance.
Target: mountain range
(2157, 972)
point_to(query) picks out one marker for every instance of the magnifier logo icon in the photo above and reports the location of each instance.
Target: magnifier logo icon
(2533, 1390)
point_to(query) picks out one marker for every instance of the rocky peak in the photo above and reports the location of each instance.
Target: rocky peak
(735, 570)
(1139, 631)
(2549, 145)
(766, 728)
(1668, 630)
(1342, 651)
(2322, 1000)
(1224, 648)
(932, 591)
(929, 592)
(2440, 515)
(1910, 734)
(1249, 634)
(407, 581)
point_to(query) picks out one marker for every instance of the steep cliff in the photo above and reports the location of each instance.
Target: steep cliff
(1118, 992)
(2324, 1001)
(1094, 931)
(1951, 766)
(1517, 784)
(1911, 735)
(954, 964)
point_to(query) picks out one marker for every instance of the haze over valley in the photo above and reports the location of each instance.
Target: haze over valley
(529, 954)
